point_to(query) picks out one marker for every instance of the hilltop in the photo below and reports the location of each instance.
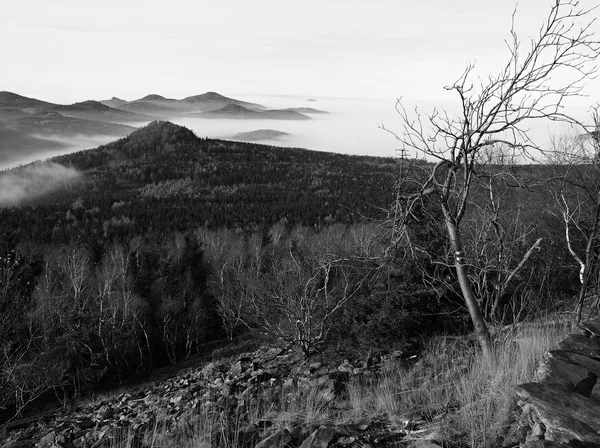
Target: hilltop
(157, 105)
(236, 111)
(220, 183)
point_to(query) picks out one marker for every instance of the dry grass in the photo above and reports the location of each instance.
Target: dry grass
(454, 384)
(452, 388)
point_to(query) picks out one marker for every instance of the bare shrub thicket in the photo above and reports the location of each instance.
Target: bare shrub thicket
(292, 286)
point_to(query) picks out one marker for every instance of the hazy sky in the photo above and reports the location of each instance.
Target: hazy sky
(71, 50)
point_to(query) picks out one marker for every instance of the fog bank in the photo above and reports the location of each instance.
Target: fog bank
(33, 180)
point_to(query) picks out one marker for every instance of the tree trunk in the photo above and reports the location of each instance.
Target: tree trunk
(481, 330)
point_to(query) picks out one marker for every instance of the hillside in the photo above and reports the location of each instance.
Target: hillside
(23, 103)
(167, 178)
(50, 130)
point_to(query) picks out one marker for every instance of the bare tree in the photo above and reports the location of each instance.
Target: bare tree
(578, 199)
(298, 299)
(495, 111)
(500, 236)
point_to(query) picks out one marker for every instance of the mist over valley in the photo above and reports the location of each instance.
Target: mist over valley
(33, 129)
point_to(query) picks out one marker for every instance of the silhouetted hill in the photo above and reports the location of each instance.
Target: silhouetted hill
(239, 112)
(9, 99)
(155, 97)
(95, 110)
(259, 134)
(113, 102)
(160, 106)
(214, 100)
(306, 110)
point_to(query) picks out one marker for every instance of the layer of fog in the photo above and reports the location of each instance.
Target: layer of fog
(21, 156)
(352, 126)
(32, 180)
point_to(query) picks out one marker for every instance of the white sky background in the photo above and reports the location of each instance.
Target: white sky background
(71, 50)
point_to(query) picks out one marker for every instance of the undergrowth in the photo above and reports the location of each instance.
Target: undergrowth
(451, 389)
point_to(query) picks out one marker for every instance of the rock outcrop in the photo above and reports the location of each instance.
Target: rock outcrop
(563, 406)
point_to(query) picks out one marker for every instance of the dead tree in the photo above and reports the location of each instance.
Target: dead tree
(496, 110)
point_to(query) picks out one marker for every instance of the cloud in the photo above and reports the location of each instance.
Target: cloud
(33, 180)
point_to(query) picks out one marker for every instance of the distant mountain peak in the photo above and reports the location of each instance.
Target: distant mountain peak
(233, 108)
(90, 105)
(152, 97)
(208, 96)
(162, 132)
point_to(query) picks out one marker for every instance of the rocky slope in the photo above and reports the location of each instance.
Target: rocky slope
(225, 403)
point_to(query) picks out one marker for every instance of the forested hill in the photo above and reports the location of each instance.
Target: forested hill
(163, 178)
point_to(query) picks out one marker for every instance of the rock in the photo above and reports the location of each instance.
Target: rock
(537, 432)
(563, 405)
(278, 439)
(314, 367)
(47, 441)
(580, 344)
(345, 441)
(345, 367)
(320, 438)
(586, 385)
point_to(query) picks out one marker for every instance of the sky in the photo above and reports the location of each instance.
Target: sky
(69, 50)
